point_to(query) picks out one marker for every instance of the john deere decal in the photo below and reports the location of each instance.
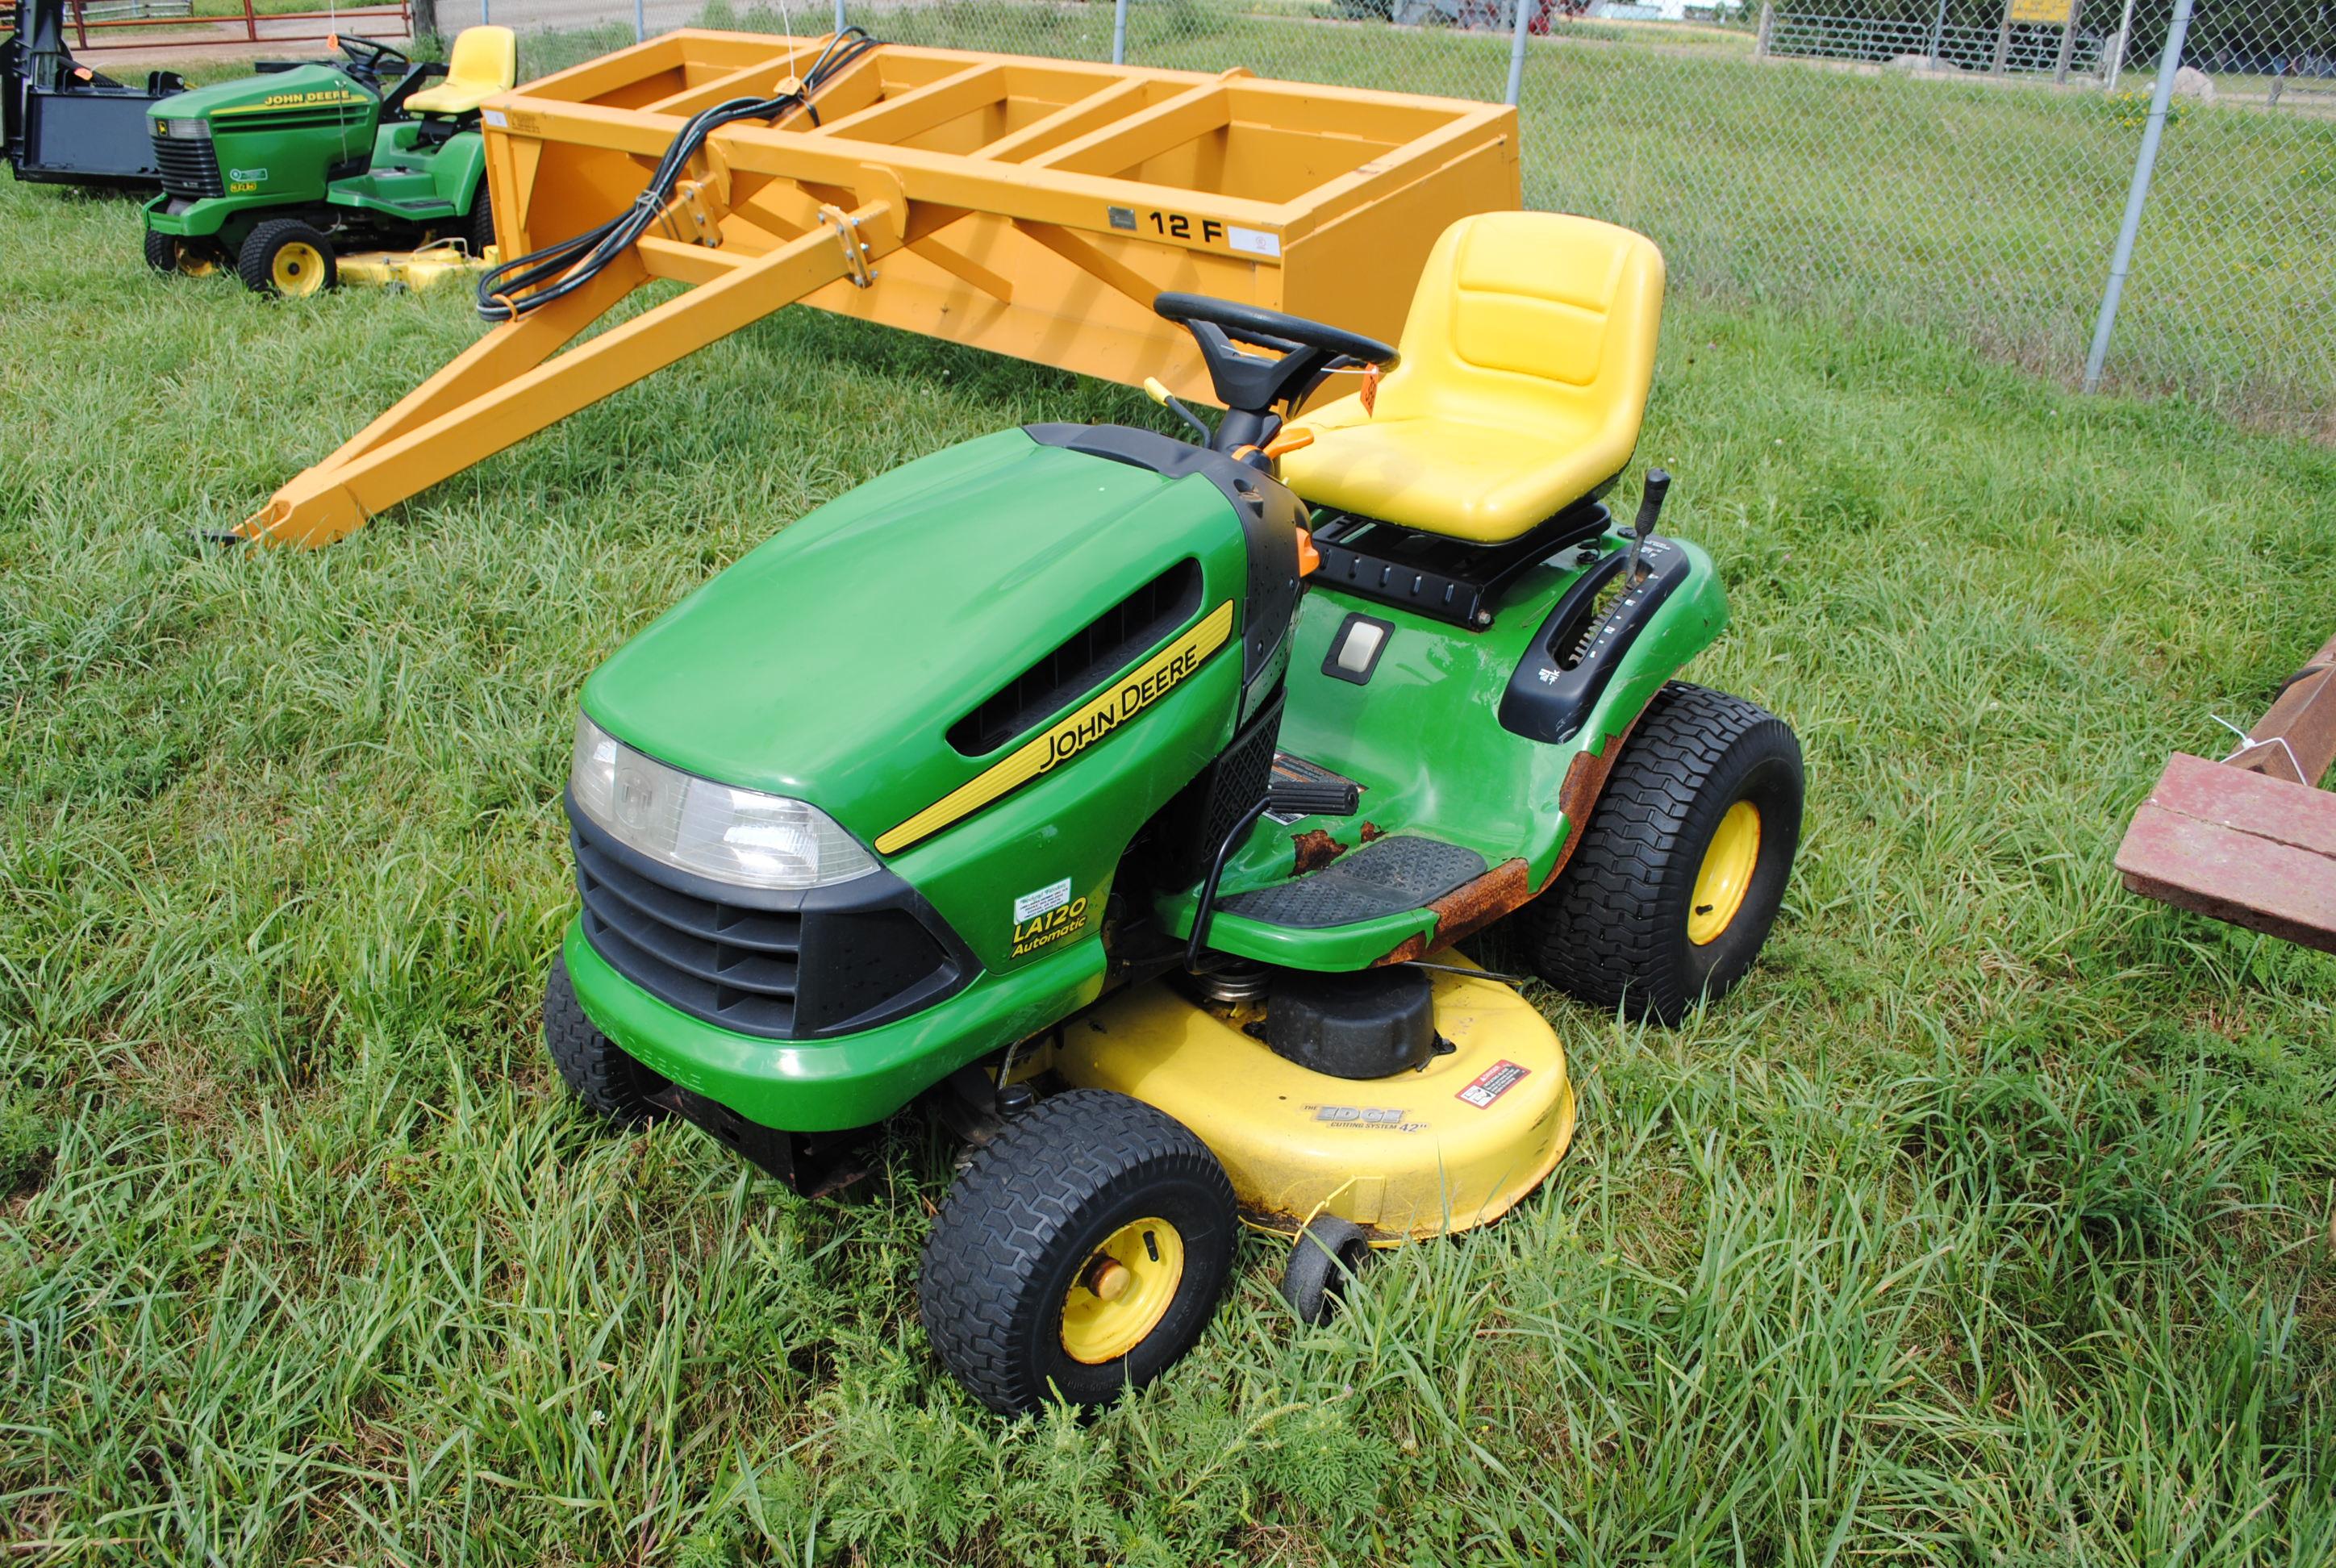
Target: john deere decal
(1129, 696)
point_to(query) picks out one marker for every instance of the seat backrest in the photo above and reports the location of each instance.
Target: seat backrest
(484, 57)
(1525, 320)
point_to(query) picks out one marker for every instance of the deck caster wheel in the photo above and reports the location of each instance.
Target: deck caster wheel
(1080, 1253)
(597, 1070)
(1328, 1254)
(1682, 865)
(288, 259)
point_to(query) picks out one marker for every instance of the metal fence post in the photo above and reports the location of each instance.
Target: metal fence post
(839, 15)
(2124, 43)
(1119, 33)
(1517, 54)
(2068, 42)
(1767, 23)
(640, 20)
(2137, 197)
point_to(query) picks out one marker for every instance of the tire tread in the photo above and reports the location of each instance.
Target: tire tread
(595, 1068)
(1600, 934)
(1003, 1213)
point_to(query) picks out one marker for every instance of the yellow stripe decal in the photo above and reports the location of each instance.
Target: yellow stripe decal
(277, 108)
(1129, 696)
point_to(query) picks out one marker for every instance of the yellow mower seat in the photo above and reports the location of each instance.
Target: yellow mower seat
(485, 61)
(1526, 363)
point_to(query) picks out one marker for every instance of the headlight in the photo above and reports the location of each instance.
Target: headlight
(187, 130)
(743, 837)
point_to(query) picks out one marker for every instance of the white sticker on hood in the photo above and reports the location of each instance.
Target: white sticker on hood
(1029, 906)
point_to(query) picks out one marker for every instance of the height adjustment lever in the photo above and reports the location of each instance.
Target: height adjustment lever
(1651, 508)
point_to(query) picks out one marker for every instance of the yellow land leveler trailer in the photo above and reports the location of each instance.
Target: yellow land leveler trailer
(1035, 208)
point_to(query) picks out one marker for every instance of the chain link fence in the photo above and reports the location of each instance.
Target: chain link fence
(1961, 166)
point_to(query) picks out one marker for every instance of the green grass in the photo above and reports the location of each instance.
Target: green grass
(1989, 1223)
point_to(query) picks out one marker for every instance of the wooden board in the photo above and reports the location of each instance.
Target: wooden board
(2258, 852)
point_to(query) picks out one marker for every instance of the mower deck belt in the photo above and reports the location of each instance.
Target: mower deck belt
(1386, 877)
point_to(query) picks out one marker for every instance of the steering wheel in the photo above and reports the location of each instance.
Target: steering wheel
(1250, 384)
(368, 58)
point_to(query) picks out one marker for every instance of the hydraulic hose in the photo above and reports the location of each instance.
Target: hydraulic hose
(511, 290)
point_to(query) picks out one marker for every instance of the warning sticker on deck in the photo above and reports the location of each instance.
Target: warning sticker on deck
(1491, 1084)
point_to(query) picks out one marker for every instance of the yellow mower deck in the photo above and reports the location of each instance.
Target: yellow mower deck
(1449, 1147)
(1030, 207)
(430, 267)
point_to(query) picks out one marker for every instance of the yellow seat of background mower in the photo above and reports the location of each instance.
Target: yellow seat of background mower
(1525, 363)
(485, 61)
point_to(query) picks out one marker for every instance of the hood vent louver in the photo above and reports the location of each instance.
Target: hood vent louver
(1091, 656)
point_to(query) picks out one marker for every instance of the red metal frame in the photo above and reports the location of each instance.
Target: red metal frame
(351, 20)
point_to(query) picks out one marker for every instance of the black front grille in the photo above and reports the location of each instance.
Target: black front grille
(826, 965)
(188, 168)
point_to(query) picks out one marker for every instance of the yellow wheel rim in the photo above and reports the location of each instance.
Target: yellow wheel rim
(1726, 875)
(298, 270)
(1122, 1291)
(196, 265)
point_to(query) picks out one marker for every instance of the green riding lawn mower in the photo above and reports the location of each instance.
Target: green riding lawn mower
(280, 176)
(1139, 850)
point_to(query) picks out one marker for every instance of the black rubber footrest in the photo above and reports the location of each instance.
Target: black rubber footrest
(1386, 877)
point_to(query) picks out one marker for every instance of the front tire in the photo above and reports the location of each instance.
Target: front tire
(1081, 1252)
(167, 253)
(604, 1078)
(1682, 865)
(287, 258)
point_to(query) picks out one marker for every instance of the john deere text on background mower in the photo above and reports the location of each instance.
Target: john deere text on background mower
(1138, 852)
(281, 174)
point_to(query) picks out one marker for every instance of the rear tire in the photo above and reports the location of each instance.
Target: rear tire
(598, 1071)
(1657, 909)
(1092, 1226)
(287, 258)
(478, 228)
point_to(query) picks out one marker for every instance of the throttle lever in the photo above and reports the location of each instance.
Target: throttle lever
(1159, 394)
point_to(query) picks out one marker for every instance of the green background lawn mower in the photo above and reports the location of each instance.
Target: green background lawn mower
(1139, 845)
(281, 174)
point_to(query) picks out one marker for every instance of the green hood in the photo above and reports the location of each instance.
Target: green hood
(830, 663)
(317, 93)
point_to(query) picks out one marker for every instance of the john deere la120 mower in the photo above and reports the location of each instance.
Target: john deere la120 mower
(1138, 837)
(278, 175)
